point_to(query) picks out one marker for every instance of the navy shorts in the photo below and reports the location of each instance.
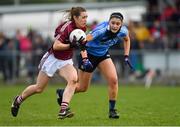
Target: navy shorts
(95, 60)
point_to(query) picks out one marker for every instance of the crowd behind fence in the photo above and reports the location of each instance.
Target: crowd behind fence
(150, 66)
(151, 56)
(155, 45)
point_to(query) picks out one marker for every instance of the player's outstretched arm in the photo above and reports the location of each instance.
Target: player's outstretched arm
(89, 37)
(127, 45)
(85, 61)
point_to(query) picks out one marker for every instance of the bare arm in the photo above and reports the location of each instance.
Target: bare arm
(126, 45)
(89, 37)
(58, 45)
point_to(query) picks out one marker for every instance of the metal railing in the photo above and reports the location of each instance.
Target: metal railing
(17, 66)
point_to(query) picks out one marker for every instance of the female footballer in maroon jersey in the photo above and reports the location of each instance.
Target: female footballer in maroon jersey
(58, 58)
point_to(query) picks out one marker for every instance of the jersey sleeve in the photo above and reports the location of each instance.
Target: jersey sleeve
(62, 33)
(99, 30)
(124, 31)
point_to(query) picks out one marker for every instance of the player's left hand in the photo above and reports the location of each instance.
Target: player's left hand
(127, 61)
(86, 64)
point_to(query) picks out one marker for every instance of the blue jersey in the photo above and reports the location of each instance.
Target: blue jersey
(103, 40)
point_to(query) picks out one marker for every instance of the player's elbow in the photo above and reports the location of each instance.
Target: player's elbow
(56, 46)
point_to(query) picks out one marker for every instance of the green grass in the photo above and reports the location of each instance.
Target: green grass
(137, 106)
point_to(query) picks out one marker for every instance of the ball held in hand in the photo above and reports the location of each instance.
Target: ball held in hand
(77, 35)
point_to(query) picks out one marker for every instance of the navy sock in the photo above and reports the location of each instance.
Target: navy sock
(112, 104)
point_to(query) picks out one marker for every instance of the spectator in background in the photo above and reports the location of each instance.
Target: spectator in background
(93, 25)
(158, 38)
(175, 19)
(17, 55)
(24, 42)
(166, 17)
(142, 35)
(168, 11)
(135, 56)
(133, 36)
(176, 45)
(25, 46)
(38, 49)
(3, 57)
(10, 60)
(152, 12)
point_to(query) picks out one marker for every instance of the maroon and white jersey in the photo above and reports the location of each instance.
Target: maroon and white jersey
(62, 33)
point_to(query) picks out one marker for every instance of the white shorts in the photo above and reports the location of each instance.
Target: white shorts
(49, 64)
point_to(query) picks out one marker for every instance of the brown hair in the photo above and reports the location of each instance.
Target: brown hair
(74, 11)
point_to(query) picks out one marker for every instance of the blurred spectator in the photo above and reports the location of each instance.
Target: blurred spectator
(94, 24)
(152, 12)
(25, 43)
(175, 18)
(177, 42)
(2, 57)
(135, 56)
(48, 41)
(158, 36)
(17, 55)
(31, 34)
(132, 35)
(142, 34)
(91, 26)
(168, 11)
(38, 49)
(10, 59)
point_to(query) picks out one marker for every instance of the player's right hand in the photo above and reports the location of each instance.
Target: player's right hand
(77, 43)
(74, 43)
(127, 61)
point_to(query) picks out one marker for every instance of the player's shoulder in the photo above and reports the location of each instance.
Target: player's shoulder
(124, 30)
(66, 25)
(64, 28)
(101, 26)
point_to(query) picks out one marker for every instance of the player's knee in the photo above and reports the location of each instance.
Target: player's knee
(73, 80)
(113, 81)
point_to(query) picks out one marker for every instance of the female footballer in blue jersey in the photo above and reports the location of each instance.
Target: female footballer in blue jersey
(99, 40)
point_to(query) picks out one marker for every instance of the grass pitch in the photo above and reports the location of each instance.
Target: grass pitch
(136, 105)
